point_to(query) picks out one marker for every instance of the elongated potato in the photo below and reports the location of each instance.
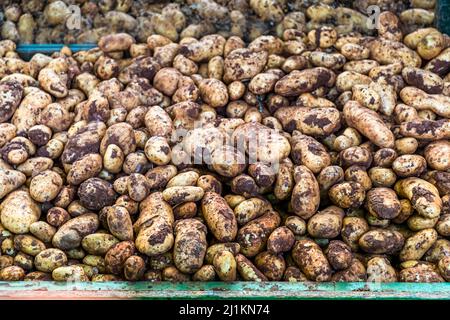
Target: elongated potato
(311, 260)
(219, 217)
(369, 124)
(423, 195)
(306, 194)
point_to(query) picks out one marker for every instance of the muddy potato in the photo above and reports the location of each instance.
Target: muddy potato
(383, 203)
(134, 268)
(359, 175)
(253, 236)
(296, 224)
(50, 259)
(158, 151)
(369, 124)
(69, 273)
(420, 272)
(352, 230)
(339, 255)
(443, 225)
(98, 243)
(417, 222)
(113, 158)
(219, 217)
(177, 195)
(43, 231)
(308, 80)
(381, 241)
(70, 234)
(421, 100)
(311, 260)
(347, 194)
(309, 152)
(209, 183)
(280, 240)
(19, 221)
(326, 224)
(28, 244)
(205, 273)
(250, 209)
(271, 265)
(96, 193)
(154, 226)
(84, 168)
(358, 156)
(225, 266)
(119, 222)
(388, 51)
(190, 245)
(12, 273)
(437, 155)
(409, 165)
(423, 196)
(416, 245)
(382, 177)
(305, 195)
(116, 42)
(117, 255)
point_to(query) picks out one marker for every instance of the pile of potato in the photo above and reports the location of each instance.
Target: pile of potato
(86, 21)
(137, 160)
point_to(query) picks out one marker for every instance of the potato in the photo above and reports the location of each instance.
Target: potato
(298, 82)
(19, 222)
(219, 217)
(347, 194)
(247, 270)
(205, 273)
(352, 230)
(339, 255)
(388, 51)
(309, 152)
(134, 268)
(116, 42)
(280, 240)
(416, 246)
(271, 265)
(50, 259)
(243, 64)
(12, 273)
(369, 124)
(253, 236)
(381, 241)
(225, 266)
(69, 273)
(311, 260)
(70, 234)
(409, 165)
(42, 230)
(28, 244)
(421, 100)
(96, 193)
(380, 270)
(98, 243)
(154, 226)
(383, 203)
(423, 196)
(190, 245)
(84, 168)
(305, 195)
(437, 155)
(10, 180)
(309, 121)
(119, 222)
(326, 224)
(9, 102)
(420, 272)
(250, 209)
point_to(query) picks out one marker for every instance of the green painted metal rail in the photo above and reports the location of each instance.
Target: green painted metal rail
(221, 290)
